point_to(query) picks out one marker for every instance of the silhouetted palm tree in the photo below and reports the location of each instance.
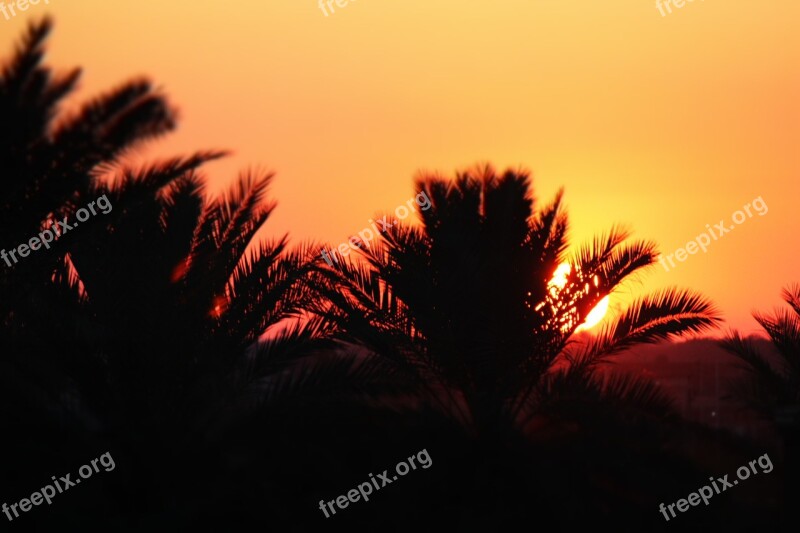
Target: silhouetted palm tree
(464, 304)
(153, 311)
(771, 385)
(141, 327)
(49, 163)
(174, 297)
(145, 325)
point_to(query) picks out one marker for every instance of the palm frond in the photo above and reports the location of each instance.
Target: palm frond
(635, 394)
(264, 289)
(666, 314)
(783, 328)
(626, 260)
(112, 124)
(336, 378)
(791, 295)
(290, 344)
(590, 257)
(29, 53)
(578, 392)
(225, 230)
(764, 386)
(548, 231)
(151, 179)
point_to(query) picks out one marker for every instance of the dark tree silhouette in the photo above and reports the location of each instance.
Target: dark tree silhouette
(771, 386)
(464, 304)
(142, 332)
(165, 279)
(771, 383)
(48, 162)
(174, 296)
(141, 328)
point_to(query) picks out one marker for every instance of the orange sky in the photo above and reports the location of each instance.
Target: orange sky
(664, 123)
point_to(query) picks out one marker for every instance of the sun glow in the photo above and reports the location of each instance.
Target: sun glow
(559, 280)
(595, 315)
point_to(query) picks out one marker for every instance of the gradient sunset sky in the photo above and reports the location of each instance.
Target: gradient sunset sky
(662, 123)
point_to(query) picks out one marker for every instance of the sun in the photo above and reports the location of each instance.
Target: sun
(559, 279)
(595, 315)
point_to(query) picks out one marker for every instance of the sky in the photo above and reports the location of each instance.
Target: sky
(663, 123)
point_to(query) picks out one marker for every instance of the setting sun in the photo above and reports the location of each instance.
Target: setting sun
(558, 281)
(595, 315)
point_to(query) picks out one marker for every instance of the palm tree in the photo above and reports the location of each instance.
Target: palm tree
(144, 327)
(49, 161)
(174, 296)
(464, 305)
(166, 286)
(158, 307)
(771, 385)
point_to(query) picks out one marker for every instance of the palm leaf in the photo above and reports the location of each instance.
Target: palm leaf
(661, 316)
